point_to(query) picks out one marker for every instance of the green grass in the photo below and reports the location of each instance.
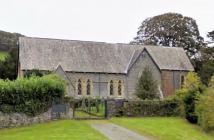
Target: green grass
(164, 128)
(3, 55)
(57, 130)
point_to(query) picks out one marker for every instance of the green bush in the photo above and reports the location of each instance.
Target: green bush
(35, 72)
(189, 95)
(31, 96)
(167, 107)
(205, 108)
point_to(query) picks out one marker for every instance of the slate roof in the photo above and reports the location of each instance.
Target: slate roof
(88, 56)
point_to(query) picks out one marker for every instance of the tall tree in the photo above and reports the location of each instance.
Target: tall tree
(206, 69)
(170, 29)
(147, 86)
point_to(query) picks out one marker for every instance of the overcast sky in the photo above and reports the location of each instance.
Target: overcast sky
(95, 20)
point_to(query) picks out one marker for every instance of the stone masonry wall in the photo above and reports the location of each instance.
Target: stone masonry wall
(20, 119)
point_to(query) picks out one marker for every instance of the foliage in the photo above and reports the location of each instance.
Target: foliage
(192, 81)
(206, 71)
(35, 72)
(8, 40)
(10, 65)
(205, 108)
(189, 95)
(206, 62)
(170, 29)
(56, 130)
(147, 87)
(31, 96)
(8, 43)
(3, 55)
(211, 36)
(150, 108)
(163, 128)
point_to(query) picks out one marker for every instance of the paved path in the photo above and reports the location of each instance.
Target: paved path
(115, 132)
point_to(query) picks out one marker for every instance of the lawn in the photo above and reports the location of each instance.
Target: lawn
(3, 55)
(57, 130)
(164, 128)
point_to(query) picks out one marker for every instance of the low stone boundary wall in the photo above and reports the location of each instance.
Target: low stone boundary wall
(20, 119)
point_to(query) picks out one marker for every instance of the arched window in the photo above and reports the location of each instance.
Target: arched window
(182, 80)
(88, 87)
(111, 88)
(79, 87)
(119, 88)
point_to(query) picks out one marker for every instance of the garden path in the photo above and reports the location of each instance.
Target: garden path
(115, 132)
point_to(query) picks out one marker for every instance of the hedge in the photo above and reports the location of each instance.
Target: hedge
(31, 96)
(149, 108)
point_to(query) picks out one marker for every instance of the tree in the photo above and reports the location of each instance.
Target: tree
(206, 71)
(10, 65)
(205, 108)
(170, 29)
(211, 36)
(206, 67)
(147, 87)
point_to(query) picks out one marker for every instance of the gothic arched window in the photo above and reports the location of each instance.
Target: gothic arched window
(79, 87)
(119, 88)
(111, 88)
(88, 87)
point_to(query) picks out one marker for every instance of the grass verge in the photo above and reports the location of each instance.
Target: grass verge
(164, 128)
(57, 130)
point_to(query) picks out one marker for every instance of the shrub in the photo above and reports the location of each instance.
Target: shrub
(189, 95)
(32, 95)
(147, 86)
(35, 72)
(205, 108)
(167, 107)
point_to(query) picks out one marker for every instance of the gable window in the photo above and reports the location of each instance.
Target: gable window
(182, 80)
(88, 87)
(111, 87)
(119, 88)
(79, 87)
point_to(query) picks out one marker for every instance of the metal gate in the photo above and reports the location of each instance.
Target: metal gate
(90, 109)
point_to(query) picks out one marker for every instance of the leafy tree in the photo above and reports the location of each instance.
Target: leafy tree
(205, 107)
(170, 29)
(206, 63)
(147, 86)
(211, 36)
(207, 70)
(8, 40)
(10, 65)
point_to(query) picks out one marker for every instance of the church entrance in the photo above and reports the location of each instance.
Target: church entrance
(90, 109)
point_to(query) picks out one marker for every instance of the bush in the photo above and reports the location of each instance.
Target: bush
(31, 96)
(189, 95)
(205, 108)
(150, 108)
(35, 72)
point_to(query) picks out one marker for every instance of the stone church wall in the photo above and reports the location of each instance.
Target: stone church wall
(99, 84)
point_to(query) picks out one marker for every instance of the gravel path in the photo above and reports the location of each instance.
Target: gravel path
(115, 132)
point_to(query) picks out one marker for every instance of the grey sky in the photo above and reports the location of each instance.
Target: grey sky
(96, 20)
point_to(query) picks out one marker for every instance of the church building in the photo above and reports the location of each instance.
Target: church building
(108, 70)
